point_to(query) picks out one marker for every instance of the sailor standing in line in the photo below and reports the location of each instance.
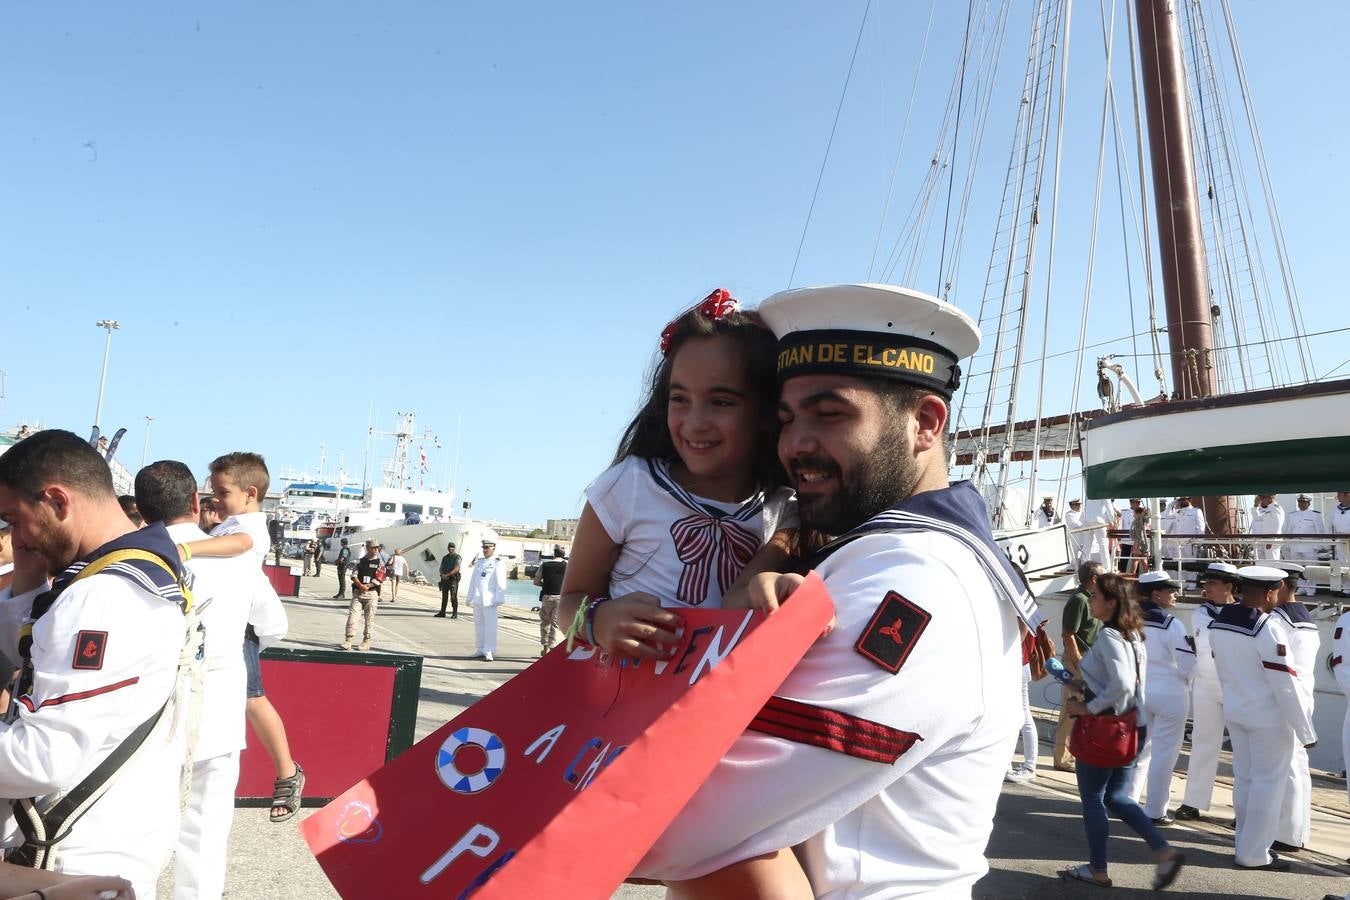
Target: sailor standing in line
(487, 591)
(1079, 540)
(1188, 521)
(1340, 524)
(1264, 711)
(1167, 676)
(1304, 520)
(1267, 518)
(1306, 647)
(1340, 652)
(1217, 585)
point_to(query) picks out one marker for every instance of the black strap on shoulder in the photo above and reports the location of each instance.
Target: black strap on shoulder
(42, 832)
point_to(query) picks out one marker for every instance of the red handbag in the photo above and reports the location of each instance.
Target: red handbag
(1107, 741)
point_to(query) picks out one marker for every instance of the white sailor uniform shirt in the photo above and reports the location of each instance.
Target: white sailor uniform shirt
(1303, 521)
(1340, 524)
(1305, 646)
(1171, 651)
(1206, 675)
(1260, 684)
(903, 804)
(105, 658)
(1340, 653)
(1044, 520)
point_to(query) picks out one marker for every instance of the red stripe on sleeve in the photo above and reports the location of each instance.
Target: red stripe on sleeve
(81, 695)
(831, 730)
(1279, 667)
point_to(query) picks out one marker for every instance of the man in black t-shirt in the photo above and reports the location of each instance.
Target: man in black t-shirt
(449, 582)
(365, 597)
(549, 579)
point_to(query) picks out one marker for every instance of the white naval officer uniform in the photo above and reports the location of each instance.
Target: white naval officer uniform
(904, 805)
(1340, 653)
(1305, 648)
(105, 659)
(222, 591)
(1080, 541)
(1206, 713)
(1340, 524)
(1303, 521)
(487, 591)
(1267, 520)
(1170, 667)
(1188, 521)
(1265, 717)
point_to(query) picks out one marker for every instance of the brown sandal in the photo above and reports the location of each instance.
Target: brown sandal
(286, 792)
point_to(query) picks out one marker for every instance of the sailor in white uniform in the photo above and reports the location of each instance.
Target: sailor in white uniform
(487, 591)
(1305, 649)
(1304, 520)
(1171, 665)
(1264, 711)
(1340, 667)
(1267, 518)
(1217, 584)
(1045, 514)
(1098, 541)
(1188, 520)
(886, 786)
(1080, 541)
(1340, 525)
(101, 661)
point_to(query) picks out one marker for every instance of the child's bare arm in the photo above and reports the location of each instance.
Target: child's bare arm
(773, 876)
(769, 558)
(225, 545)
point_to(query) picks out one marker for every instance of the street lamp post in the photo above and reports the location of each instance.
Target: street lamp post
(110, 325)
(145, 447)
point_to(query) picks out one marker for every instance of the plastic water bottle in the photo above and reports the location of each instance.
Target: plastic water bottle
(1057, 670)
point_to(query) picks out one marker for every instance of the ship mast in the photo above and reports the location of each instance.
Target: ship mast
(1181, 242)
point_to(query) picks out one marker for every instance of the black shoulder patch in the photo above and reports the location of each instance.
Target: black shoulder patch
(895, 628)
(89, 647)
(1281, 650)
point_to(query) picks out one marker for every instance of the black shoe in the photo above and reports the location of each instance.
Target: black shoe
(1275, 865)
(439, 616)
(1164, 820)
(1187, 813)
(1285, 848)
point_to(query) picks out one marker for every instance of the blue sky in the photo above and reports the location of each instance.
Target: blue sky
(486, 212)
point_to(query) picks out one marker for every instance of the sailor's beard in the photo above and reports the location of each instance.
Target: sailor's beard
(872, 483)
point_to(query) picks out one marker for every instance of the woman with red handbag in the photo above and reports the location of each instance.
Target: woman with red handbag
(1107, 734)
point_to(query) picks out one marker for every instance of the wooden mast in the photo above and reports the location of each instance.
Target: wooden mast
(1181, 240)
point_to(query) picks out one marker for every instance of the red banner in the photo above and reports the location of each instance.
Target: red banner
(556, 783)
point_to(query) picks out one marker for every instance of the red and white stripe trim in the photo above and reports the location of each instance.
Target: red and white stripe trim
(27, 701)
(806, 724)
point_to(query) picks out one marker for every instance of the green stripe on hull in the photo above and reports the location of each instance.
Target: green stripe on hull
(1311, 464)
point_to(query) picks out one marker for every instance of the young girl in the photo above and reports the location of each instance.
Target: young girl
(693, 505)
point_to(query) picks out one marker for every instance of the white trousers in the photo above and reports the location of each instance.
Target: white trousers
(1030, 740)
(1264, 552)
(1165, 719)
(1345, 746)
(485, 629)
(1206, 742)
(1261, 761)
(203, 838)
(1296, 810)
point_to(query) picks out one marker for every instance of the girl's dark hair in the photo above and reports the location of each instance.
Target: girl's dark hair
(1127, 619)
(648, 435)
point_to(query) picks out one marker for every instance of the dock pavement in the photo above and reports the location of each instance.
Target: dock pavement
(1038, 829)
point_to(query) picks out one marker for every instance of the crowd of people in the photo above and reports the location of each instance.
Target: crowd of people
(809, 434)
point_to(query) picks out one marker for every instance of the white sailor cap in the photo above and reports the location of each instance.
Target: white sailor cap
(1267, 576)
(871, 331)
(1156, 581)
(1290, 569)
(1304, 497)
(1220, 571)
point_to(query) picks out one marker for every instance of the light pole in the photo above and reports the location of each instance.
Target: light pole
(145, 447)
(110, 325)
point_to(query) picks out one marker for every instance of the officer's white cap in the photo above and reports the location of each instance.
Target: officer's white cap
(1221, 571)
(1157, 580)
(1304, 497)
(881, 331)
(1075, 500)
(1261, 575)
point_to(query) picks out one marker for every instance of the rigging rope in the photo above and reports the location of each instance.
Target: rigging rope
(904, 132)
(830, 143)
(951, 175)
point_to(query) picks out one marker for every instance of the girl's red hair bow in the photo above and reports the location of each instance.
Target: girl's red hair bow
(714, 306)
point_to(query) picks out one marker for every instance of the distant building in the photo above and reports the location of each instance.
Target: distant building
(566, 529)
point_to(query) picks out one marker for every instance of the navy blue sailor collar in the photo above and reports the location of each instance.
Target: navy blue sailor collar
(1240, 618)
(959, 512)
(1296, 614)
(1154, 615)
